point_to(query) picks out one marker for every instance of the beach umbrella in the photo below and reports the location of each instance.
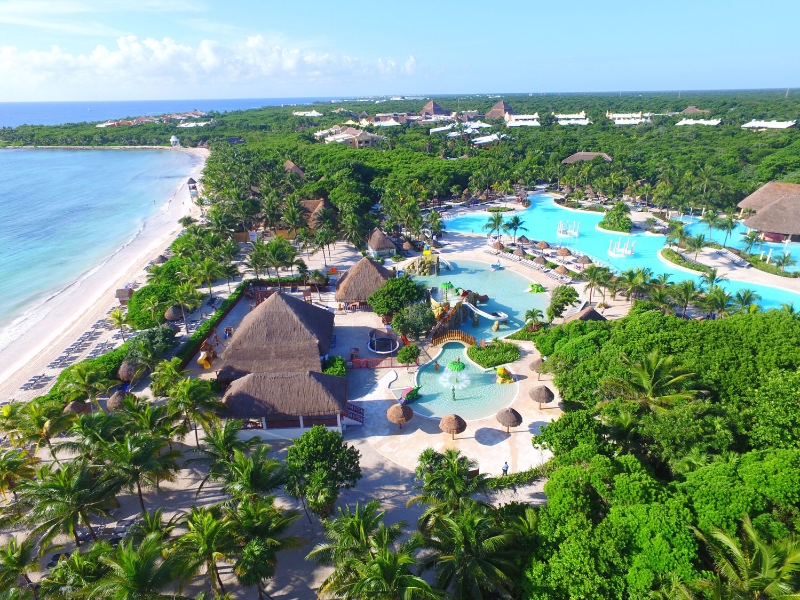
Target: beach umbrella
(128, 371)
(399, 414)
(540, 260)
(584, 260)
(561, 270)
(77, 408)
(519, 252)
(536, 365)
(564, 252)
(542, 245)
(498, 245)
(523, 240)
(160, 259)
(542, 395)
(408, 246)
(452, 424)
(173, 313)
(117, 400)
(508, 417)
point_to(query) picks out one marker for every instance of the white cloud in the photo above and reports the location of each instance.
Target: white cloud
(147, 68)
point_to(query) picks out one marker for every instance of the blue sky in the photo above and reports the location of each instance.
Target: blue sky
(154, 49)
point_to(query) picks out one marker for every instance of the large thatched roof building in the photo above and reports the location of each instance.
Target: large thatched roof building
(777, 210)
(499, 110)
(587, 314)
(282, 334)
(432, 109)
(361, 280)
(288, 400)
(379, 244)
(585, 156)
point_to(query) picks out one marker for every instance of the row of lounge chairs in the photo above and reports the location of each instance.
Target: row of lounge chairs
(36, 382)
(565, 279)
(732, 258)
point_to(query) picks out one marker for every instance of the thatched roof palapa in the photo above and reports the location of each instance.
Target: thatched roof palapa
(561, 270)
(283, 333)
(160, 259)
(452, 424)
(523, 240)
(564, 251)
(508, 417)
(117, 400)
(581, 156)
(300, 394)
(290, 167)
(378, 240)
(519, 252)
(173, 313)
(777, 207)
(124, 294)
(361, 280)
(77, 408)
(540, 260)
(542, 395)
(408, 246)
(499, 110)
(399, 414)
(542, 245)
(128, 370)
(432, 108)
(587, 314)
(536, 365)
(584, 260)
(498, 246)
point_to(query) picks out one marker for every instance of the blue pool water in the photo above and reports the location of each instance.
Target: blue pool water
(507, 293)
(541, 220)
(477, 394)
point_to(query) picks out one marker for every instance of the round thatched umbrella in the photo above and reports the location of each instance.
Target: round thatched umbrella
(536, 365)
(542, 395)
(561, 270)
(173, 313)
(408, 246)
(519, 252)
(564, 252)
(498, 245)
(523, 240)
(399, 414)
(540, 260)
(542, 245)
(174, 326)
(77, 408)
(117, 399)
(509, 418)
(161, 259)
(127, 370)
(584, 260)
(452, 424)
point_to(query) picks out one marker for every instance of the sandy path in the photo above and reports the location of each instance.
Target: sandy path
(73, 311)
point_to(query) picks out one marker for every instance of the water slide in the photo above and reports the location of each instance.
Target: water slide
(498, 316)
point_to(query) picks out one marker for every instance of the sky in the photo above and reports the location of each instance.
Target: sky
(182, 49)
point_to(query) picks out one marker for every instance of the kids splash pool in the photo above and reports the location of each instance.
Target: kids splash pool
(476, 393)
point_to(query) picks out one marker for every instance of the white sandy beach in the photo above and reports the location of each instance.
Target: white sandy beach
(65, 316)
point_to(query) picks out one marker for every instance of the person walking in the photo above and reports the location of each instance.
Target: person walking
(505, 469)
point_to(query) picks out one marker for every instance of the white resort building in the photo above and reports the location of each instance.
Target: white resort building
(762, 125)
(307, 113)
(628, 118)
(522, 120)
(712, 122)
(572, 119)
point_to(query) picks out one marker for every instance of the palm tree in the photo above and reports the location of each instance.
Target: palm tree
(153, 524)
(221, 442)
(727, 224)
(752, 567)
(744, 299)
(229, 271)
(208, 271)
(788, 307)
(514, 224)
(534, 316)
(58, 501)
(250, 476)
(119, 319)
(751, 240)
(137, 462)
(711, 279)
(153, 307)
(661, 297)
(717, 301)
(471, 555)
(495, 223)
(75, 575)
(784, 260)
(654, 382)
(165, 375)
(685, 293)
(15, 465)
(695, 243)
(91, 433)
(186, 296)
(276, 256)
(293, 217)
(194, 399)
(17, 560)
(208, 541)
(594, 277)
(139, 573)
(706, 180)
(711, 220)
(84, 381)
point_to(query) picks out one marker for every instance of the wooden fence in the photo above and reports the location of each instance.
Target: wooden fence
(454, 335)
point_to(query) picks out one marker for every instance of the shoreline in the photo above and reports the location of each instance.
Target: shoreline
(73, 309)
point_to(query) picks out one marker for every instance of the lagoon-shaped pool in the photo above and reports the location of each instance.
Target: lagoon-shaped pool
(476, 394)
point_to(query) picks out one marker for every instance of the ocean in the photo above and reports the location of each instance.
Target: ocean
(64, 212)
(13, 114)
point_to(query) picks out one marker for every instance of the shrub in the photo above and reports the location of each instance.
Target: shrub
(396, 293)
(494, 354)
(398, 258)
(414, 319)
(408, 354)
(498, 209)
(677, 259)
(335, 365)
(617, 219)
(138, 317)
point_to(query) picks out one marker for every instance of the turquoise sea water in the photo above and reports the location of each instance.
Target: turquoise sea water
(542, 217)
(477, 395)
(62, 212)
(507, 293)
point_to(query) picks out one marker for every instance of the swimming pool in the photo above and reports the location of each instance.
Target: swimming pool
(476, 394)
(542, 219)
(506, 290)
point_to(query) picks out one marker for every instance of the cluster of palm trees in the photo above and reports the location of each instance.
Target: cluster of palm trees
(132, 449)
(640, 283)
(497, 223)
(472, 549)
